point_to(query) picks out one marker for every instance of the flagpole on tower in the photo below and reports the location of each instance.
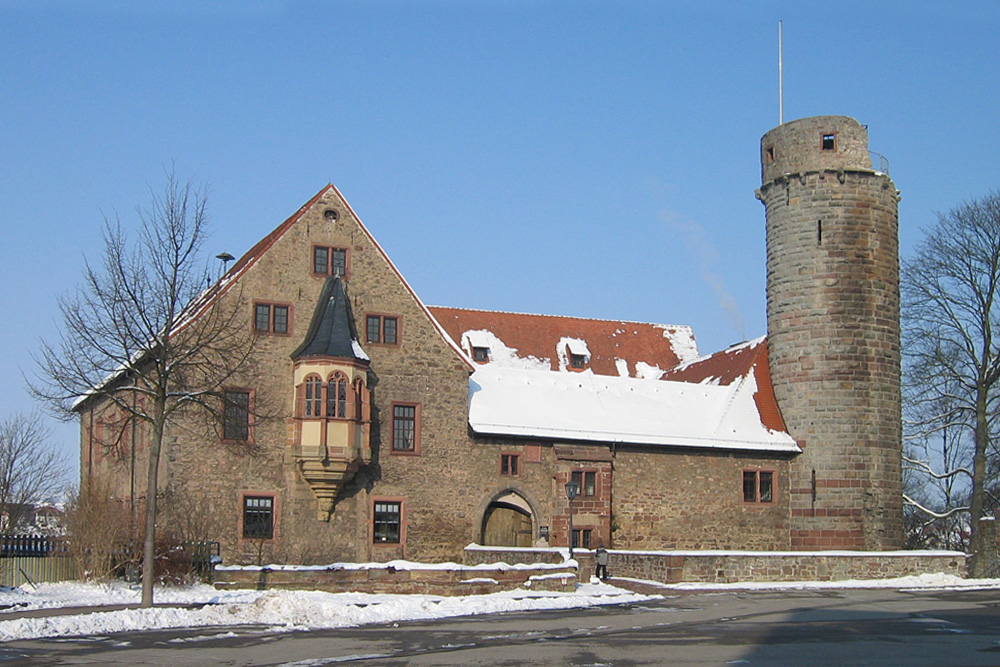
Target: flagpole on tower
(781, 82)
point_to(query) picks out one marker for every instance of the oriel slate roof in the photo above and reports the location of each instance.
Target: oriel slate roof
(332, 332)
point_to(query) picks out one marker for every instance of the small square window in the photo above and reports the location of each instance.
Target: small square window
(829, 142)
(758, 486)
(508, 464)
(481, 354)
(271, 318)
(329, 261)
(382, 329)
(577, 361)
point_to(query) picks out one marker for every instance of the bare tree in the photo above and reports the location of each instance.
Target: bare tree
(30, 471)
(951, 322)
(146, 336)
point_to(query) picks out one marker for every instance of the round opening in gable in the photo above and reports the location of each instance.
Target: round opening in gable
(330, 214)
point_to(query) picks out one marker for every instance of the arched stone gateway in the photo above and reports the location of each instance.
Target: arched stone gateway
(508, 521)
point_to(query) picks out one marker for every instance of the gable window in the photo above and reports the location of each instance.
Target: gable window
(587, 479)
(236, 415)
(829, 142)
(329, 261)
(405, 428)
(271, 318)
(508, 464)
(258, 517)
(386, 522)
(758, 486)
(481, 354)
(382, 329)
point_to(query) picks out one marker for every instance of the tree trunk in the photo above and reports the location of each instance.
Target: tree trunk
(149, 542)
(977, 567)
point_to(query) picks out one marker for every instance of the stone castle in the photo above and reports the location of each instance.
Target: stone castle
(398, 430)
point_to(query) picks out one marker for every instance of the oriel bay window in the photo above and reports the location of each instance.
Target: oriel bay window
(336, 396)
(318, 399)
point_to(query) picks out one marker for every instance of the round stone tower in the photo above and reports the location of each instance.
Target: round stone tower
(833, 331)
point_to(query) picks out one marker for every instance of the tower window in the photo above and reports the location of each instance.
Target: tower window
(829, 142)
(769, 154)
(819, 232)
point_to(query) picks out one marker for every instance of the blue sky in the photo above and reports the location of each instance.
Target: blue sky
(596, 159)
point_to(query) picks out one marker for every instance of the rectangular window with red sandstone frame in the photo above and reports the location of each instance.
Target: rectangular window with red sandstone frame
(587, 479)
(758, 486)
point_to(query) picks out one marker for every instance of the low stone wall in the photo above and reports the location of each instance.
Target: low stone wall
(673, 567)
(400, 577)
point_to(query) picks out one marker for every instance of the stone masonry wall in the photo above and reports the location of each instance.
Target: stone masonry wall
(672, 567)
(833, 332)
(694, 500)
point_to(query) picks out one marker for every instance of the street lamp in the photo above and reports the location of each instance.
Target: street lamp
(572, 491)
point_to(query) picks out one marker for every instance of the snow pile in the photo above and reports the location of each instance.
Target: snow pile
(277, 609)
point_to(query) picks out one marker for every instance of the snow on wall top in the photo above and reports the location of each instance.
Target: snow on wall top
(598, 408)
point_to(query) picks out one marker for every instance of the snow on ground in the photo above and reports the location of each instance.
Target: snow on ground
(304, 610)
(278, 609)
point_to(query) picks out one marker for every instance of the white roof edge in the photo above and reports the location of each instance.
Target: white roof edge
(633, 439)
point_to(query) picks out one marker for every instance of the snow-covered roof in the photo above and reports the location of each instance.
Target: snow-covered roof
(611, 347)
(600, 408)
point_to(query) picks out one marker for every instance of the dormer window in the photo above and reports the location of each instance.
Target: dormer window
(481, 354)
(574, 355)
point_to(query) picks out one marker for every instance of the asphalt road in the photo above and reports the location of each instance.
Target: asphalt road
(873, 627)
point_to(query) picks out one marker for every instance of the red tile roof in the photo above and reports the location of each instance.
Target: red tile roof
(731, 365)
(538, 336)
